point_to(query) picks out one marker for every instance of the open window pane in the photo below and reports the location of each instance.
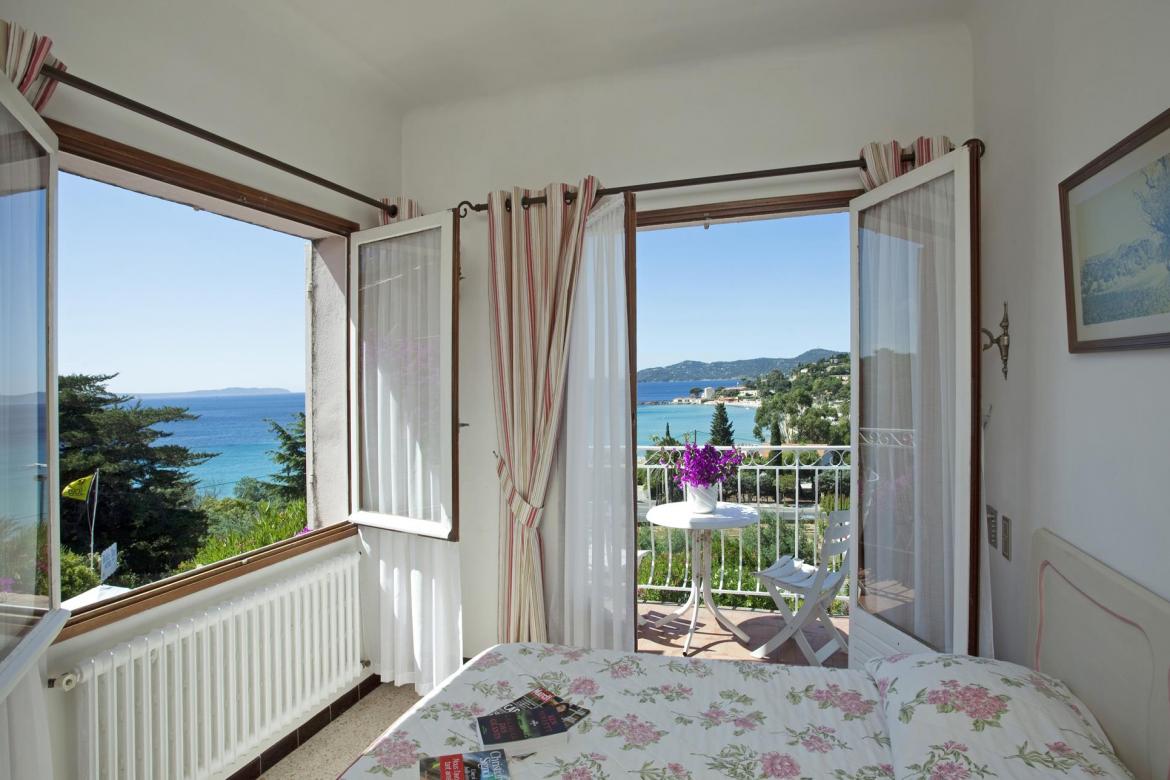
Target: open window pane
(25, 532)
(403, 347)
(181, 339)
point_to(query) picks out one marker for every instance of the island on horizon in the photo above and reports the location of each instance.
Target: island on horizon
(223, 391)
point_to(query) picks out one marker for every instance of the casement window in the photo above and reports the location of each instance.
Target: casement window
(403, 391)
(124, 215)
(29, 592)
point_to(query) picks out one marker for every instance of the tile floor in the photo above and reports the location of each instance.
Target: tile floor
(713, 641)
(328, 752)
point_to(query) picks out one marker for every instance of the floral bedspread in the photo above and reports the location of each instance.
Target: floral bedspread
(654, 718)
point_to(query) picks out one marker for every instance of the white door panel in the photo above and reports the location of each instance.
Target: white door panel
(403, 305)
(912, 400)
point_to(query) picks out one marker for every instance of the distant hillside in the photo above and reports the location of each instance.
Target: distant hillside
(695, 370)
(223, 391)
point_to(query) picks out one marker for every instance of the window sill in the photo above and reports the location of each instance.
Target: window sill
(181, 585)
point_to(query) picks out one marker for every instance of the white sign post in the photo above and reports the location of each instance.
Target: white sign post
(109, 561)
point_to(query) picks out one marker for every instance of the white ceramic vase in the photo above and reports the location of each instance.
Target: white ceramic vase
(702, 500)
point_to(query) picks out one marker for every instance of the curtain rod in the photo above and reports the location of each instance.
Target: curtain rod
(122, 101)
(466, 206)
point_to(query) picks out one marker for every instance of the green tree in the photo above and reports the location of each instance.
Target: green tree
(722, 434)
(289, 454)
(252, 490)
(774, 436)
(146, 500)
(813, 426)
(696, 392)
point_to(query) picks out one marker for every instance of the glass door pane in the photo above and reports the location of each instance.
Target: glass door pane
(403, 309)
(907, 448)
(399, 338)
(25, 580)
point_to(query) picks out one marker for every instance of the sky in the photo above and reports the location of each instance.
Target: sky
(764, 288)
(172, 298)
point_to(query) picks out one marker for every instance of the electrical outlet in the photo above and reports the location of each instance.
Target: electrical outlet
(1006, 537)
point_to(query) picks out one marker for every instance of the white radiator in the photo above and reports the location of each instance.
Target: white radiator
(191, 699)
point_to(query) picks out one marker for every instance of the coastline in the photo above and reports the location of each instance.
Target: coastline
(745, 403)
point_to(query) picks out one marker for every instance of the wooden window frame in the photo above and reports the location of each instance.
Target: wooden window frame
(793, 205)
(235, 196)
(106, 151)
(103, 613)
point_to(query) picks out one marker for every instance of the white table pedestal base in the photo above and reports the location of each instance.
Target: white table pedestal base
(700, 594)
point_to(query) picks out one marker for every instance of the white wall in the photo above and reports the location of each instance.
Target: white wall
(805, 104)
(1077, 443)
(205, 63)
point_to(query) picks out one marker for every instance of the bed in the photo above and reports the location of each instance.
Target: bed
(929, 716)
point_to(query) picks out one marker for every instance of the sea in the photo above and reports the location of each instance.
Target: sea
(692, 419)
(233, 426)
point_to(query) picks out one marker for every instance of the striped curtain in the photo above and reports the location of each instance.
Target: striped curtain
(884, 162)
(407, 209)
(535, 259)
(22, 55)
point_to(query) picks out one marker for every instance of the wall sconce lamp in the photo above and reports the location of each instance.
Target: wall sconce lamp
(1003, 340)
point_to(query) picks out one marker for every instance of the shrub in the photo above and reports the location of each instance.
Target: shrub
(77, 575)
(254, 526)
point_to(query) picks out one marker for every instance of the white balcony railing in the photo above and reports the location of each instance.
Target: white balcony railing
(792, 486)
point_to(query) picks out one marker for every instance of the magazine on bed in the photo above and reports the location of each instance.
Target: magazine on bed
(487, 765)
(571, 714)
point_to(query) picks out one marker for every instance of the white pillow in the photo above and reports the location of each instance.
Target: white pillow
(953, 717)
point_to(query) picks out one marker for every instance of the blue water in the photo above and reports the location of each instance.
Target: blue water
(692, 419)
(235, 427)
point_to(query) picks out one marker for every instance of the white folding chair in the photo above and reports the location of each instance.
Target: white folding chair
(816, 586)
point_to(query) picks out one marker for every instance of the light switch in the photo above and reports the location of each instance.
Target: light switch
(992, 526)
(1006, 537)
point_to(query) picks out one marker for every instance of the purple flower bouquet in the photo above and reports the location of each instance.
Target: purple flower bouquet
(700, 470)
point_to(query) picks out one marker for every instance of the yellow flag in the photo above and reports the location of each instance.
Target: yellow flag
(78, 489)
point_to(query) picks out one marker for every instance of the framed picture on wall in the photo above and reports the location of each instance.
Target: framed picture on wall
(1115, 223)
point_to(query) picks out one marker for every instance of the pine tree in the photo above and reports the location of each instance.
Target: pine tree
(290, 456)
(774, 433)
(722, 434)
(146, 494)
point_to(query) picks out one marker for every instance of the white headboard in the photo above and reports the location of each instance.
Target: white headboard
(1109, 640)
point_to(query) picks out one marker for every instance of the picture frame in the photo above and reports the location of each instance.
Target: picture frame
(1115, 231)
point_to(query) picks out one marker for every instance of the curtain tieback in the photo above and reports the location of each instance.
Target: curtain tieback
(524, 513)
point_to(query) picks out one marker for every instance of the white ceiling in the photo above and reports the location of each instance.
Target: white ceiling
(418, 52)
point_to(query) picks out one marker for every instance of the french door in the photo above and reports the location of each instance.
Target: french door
(30, 613)
(914, 412)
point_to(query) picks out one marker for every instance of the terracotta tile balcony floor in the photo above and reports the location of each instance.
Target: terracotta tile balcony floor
(713, 641)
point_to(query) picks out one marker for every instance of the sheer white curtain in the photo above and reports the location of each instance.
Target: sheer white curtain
(598, 517)
(908, 415)
(419, 604)
(398, 292)
(419, 608)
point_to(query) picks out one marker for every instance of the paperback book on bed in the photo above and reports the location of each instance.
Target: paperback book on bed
(487, 765)
(526, 731)
(571, 714)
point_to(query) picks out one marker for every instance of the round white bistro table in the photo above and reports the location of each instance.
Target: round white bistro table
(680, 515)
